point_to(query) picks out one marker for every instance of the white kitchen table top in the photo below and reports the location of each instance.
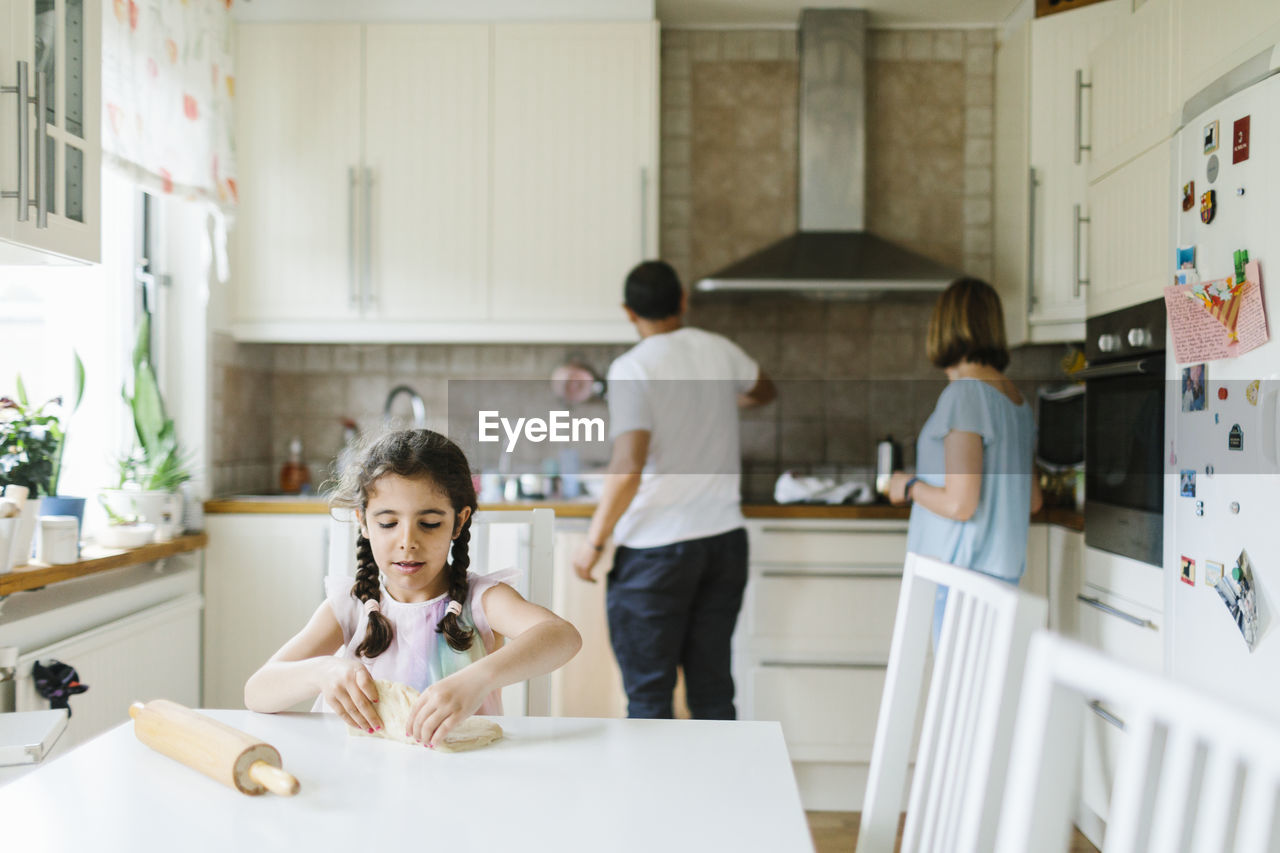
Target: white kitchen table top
(559, 784)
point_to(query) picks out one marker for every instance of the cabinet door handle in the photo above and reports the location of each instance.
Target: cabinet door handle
(1075, 255)
(22, 193)
(644, 212)
(1032, 183)
(1107, 608)
(1102, 712)
(882, 574)
(789, 664)
(368, 297)
(1080, 87)
(843, 531)
(353, 294)
(42, 150)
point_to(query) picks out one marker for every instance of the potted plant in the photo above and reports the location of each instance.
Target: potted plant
(152, 472)
(32, 441)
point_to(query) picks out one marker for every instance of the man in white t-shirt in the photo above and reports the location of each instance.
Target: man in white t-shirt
(672, 503)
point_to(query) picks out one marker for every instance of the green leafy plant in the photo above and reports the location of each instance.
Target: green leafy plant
(33, 438)
(159, 462)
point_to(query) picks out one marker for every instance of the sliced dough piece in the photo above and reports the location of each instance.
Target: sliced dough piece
(395, 701)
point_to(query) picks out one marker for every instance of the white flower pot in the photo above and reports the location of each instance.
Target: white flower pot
(163, 509)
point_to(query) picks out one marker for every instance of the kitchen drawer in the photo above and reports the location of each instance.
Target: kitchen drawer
(1133, 580)
(1101, 746)
(829, 616)
(1120, 629)
(874, 548)
(828, 713)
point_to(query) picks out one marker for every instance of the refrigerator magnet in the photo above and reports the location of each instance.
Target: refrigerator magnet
(1212, 572)
(1199, 509)
(1240, 140)
(1211, 137)
(1187, 483)
(1211, 168)
(1222, 392)
(1188, 196)
(1188, 571)
(1208, 206)
(1193, 388)
(1235, 438)
(1251, 392)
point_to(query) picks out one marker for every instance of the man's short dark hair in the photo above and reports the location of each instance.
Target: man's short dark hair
(653, 290)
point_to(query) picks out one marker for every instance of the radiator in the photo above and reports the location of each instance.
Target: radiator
(154, 653)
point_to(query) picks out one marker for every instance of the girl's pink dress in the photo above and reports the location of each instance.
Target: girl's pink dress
(418, 656)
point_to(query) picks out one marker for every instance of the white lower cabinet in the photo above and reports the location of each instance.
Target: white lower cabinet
(264, 578)
(1117, 609)
(813, 643)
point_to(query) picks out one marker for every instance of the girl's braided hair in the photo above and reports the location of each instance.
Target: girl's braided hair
(410, 453)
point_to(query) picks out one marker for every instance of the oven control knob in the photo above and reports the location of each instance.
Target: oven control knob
(1108, 343)
(1139, 338)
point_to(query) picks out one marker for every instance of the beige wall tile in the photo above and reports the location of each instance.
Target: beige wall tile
(887, 44)
(736, 45)
(948, 45)
(918, 45)
(766, 45)
(706, 45)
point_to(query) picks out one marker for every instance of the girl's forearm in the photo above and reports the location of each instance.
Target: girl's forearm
(542, 648)
(279, 685)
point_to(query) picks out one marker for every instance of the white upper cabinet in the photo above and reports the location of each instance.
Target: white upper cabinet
(1042, 141)
(426, 189)
(443, 182)
(51, 51)
(1131, 255)
(1215, 37)
(298, 153)
(1012, 185)
(1060, 155)
(575, 156)
(1136, 100)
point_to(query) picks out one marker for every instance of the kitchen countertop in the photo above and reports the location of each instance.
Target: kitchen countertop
(1061, 516)
(553, 783)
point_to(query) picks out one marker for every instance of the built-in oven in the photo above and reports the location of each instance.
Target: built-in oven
(1124, 432)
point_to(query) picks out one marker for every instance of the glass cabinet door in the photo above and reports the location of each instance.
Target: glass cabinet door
(60, 42)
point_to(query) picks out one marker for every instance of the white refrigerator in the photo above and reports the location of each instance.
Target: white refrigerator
(1227, 436)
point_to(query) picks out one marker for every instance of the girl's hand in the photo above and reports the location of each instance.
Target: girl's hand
(349, 689)
(445, 704)
(898, 487)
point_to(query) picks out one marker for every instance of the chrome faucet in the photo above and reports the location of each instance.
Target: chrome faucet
(419, 407)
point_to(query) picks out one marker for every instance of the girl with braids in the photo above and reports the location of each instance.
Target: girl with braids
(413, 613)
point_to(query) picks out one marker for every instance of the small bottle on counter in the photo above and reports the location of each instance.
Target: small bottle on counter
(294, 476)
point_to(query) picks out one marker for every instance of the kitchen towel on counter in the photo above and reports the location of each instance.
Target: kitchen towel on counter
(791, 489)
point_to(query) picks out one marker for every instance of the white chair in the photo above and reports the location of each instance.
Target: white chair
(1195, 773)
(500, 539)
(957, 782)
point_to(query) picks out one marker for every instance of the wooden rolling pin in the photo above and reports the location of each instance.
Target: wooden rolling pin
(215, 749)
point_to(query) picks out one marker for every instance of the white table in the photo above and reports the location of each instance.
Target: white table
(557, 784)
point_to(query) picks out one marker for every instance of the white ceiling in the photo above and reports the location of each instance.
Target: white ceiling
(884, 13)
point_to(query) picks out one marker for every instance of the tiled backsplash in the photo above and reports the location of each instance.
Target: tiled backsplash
(850, 372)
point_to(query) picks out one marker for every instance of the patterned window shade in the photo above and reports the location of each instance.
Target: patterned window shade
(168, 89)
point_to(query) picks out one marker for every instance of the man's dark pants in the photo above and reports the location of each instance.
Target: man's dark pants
(676, 605)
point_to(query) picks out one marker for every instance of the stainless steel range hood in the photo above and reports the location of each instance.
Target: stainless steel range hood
(832, 254)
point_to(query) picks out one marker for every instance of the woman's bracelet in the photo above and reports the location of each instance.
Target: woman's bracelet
(906, 490)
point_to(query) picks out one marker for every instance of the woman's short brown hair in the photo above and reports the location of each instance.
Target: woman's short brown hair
(968, 325)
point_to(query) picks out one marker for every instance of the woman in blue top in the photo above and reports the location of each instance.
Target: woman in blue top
(975, 487)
